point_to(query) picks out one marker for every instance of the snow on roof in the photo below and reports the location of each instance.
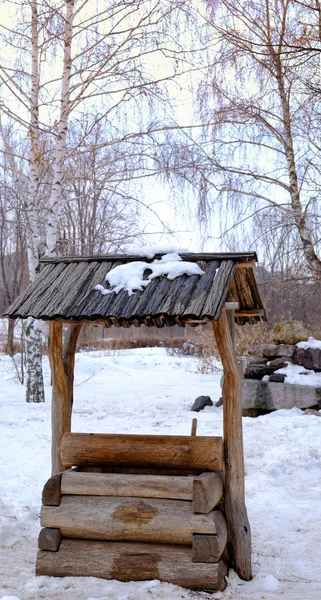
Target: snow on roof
(151, 251)
(129, 276)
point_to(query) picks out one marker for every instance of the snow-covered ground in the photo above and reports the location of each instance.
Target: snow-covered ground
(147, 391)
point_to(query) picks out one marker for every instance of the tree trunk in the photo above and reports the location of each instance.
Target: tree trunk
(33, 337)
(33, 357)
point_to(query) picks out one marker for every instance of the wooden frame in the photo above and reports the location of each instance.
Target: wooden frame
(62, 358)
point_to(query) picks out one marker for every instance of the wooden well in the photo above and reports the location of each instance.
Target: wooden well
(144, 507)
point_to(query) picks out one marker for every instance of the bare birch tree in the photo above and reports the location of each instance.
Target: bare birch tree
(112, 61)
(261, 152)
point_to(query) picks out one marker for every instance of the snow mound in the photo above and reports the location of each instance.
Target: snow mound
(311, 343)
(298, 375)
(130, 275)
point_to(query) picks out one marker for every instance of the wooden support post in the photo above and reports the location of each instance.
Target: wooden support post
(194, 427)
(62, 370)
(239, 533)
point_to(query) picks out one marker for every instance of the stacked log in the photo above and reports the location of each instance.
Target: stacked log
(136, 526)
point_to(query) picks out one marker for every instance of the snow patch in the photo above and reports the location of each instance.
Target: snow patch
(311, 343)
(299, 375)
(151, 251)
(129, 276)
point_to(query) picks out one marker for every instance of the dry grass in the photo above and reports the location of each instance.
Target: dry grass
(246, 336)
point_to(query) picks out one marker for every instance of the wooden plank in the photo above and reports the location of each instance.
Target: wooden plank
(130, 519)
(131, 562)
(49, 539)
(51, 493)
(207, 492)
(239, 532)
(117, 484)
(148, 451)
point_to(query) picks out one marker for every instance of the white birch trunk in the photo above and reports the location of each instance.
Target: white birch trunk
(298, 213)
(33, 338)
(58, 169)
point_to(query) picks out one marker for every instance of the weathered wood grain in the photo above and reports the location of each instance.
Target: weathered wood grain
(49, 539)
(51, 493)
(207, 492)
(65, 290)
(219, 289)
(117, 484)
(131, 562)
(208, 548)
(239, 532)
(133, 519)
(62, 371)
(149, 451)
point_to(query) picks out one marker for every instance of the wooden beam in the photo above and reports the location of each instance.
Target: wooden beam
(129, 519)
(209, 548)
(239, 533)
(49, 539)
(252, 312)
(147, 451)
(207, 492)
(231, 306)
(131, 562)
(51, 493)
(249, 264)
(62, 371)
(121, 484)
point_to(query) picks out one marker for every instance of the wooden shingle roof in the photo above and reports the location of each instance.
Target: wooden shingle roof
(64, 289)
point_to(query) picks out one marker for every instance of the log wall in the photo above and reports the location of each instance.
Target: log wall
(136, 525)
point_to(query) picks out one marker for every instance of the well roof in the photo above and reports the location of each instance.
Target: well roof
(64, 289)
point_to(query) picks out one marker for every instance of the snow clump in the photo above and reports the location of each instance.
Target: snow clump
(129, 276)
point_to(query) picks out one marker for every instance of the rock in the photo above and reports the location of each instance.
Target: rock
(311, 411)
(257, 360)
(257, 371)
(290, 332)
(284, 351)
(263, 395)
(277, 377)
(219, 402)
(201, 402)
(277, 363)
(256, 351)
(310, 358)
